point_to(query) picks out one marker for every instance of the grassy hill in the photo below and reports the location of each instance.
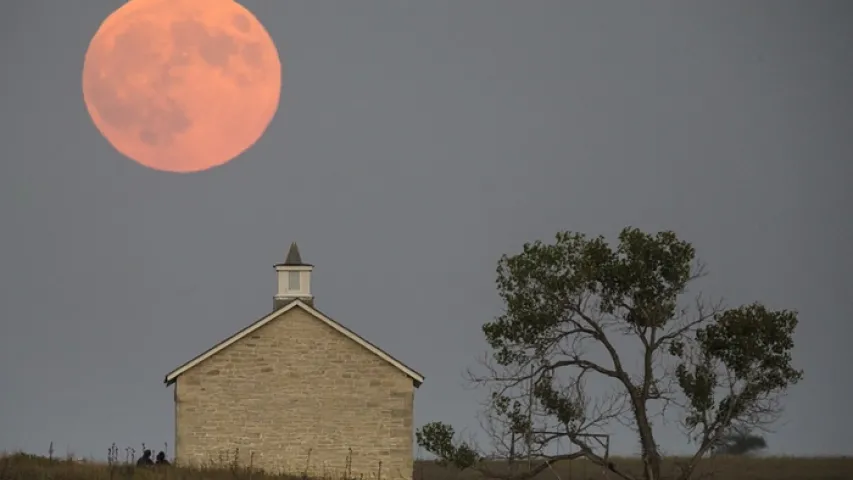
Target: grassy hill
(30, 467)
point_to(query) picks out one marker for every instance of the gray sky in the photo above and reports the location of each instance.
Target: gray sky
(429, 138)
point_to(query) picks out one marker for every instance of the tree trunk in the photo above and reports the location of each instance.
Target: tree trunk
(650, 455)
(651, 463)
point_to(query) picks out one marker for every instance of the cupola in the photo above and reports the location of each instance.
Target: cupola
(294, 279)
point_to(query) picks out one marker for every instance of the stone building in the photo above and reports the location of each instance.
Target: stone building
(296, 391)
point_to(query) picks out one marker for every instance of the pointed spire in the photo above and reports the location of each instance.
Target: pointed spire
(293, 257)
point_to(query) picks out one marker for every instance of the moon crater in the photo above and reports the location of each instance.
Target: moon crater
(181, 85)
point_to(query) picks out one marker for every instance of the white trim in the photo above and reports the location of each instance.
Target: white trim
(293, 268)
(260, 323)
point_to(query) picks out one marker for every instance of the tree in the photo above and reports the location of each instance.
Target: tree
(574, 310)
(740, 442)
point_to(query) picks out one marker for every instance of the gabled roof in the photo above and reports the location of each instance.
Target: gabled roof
(174, 374)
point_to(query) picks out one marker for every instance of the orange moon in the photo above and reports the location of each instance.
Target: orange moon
(181, 85)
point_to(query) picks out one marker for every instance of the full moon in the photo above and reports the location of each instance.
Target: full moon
(181, 85)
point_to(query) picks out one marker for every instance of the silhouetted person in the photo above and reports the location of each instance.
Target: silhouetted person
(161, 459)
(145, 459)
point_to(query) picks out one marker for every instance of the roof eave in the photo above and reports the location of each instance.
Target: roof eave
(416, 381)
(172, 376)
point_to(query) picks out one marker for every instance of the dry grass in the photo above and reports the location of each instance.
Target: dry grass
(31, 467)
(716, 468)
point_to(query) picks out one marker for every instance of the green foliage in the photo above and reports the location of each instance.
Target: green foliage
(437, 438)
(546, 285)
(754, 345)
(513, 411)
(564, 406)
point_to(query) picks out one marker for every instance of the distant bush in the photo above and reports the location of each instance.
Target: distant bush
(741, 443)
